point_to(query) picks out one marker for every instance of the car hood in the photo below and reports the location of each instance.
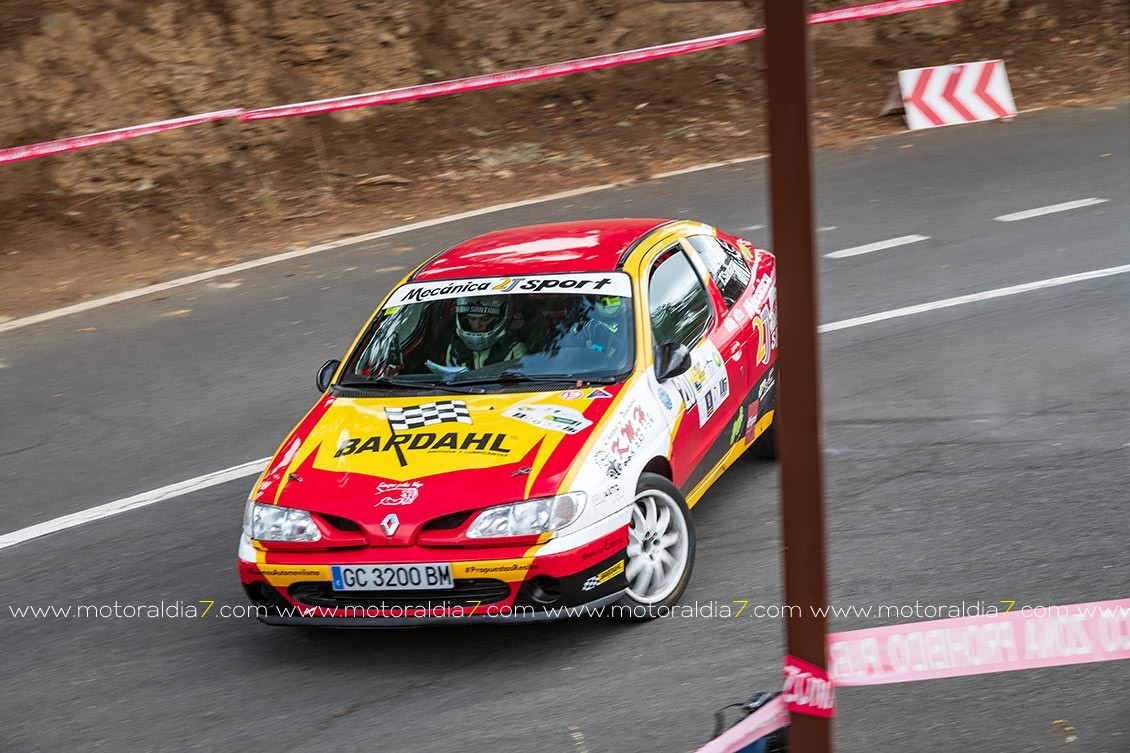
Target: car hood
(423, 457)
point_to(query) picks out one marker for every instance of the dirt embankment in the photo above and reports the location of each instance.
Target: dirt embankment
(116, 216)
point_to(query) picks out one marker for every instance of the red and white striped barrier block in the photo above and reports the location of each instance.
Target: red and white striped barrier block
(17, 153)
(952, 94)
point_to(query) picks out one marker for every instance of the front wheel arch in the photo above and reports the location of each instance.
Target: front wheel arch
(660, 466)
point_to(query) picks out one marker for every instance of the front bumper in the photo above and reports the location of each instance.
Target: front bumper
(292, 588)
(519, 616)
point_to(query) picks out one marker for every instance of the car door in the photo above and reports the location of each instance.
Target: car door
(701, 404)
(746, 279)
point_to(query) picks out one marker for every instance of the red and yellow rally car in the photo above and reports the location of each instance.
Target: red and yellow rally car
(520, 432)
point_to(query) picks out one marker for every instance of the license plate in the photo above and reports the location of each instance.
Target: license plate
(391, 577)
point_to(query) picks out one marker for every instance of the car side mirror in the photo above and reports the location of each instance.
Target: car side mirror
(326, 373)
(671, 359)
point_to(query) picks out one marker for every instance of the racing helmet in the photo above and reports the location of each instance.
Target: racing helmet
(497, 307)
(608, 306)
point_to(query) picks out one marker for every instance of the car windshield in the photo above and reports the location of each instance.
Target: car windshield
(540, 328)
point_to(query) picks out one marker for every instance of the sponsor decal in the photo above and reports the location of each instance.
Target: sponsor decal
(767, 383)
(599, 394)
(713, 396)
(760, 294)
(603, 576)
(602, 547)
(665, 399)
(751, 422)
(612, 491)
(706, 384)
(697, 376)
(572, 395)
(427, 441)
(611, 466)
(428, 414)
(489, 568)
(615, 283)
(624, 440)
(737, 428)
(390, 524)
(764, 322)
(746, 249)
(401, 493)
(290, 571)
(409, 294)
(541, 284)
(552, 417)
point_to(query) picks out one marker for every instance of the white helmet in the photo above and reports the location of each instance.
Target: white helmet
(483, 306)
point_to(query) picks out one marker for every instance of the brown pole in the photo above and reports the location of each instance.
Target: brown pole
(800, 445)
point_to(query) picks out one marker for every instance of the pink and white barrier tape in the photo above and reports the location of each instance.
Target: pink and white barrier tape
(1029, 639)
(16, 153)
(873, 10)
(770, 717)
(473, 83)
(552, 70)
(490, 80)
(1045, 637)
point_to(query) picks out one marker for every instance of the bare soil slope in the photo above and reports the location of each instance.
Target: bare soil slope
(117, 216)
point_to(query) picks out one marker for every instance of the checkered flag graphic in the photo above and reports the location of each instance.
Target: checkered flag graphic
(439, 412)
(591, 583)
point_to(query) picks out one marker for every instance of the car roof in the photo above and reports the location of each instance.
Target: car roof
(556, 248)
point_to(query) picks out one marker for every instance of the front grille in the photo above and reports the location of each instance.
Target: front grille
(447, 522)
(467, 593)
(340, 523)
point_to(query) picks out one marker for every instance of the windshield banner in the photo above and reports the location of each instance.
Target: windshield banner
(593, 283)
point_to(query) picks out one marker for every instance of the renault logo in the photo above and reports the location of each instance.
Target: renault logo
(390, 524)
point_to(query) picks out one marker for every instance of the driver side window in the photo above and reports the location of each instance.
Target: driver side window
(729, 269)
(677, 300)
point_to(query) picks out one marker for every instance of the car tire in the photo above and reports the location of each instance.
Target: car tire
(765, 446)
(659, 512)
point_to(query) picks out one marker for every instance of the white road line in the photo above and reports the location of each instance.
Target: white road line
(921, 308)
(160, 287)
(877, 246)
(132, 503)
(1050, 209)
(255, 466)
(709, 166)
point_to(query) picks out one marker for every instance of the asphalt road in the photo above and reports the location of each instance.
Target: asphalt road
(974, 453)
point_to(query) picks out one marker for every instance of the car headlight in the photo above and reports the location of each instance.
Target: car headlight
(533, 516)
(275, 523)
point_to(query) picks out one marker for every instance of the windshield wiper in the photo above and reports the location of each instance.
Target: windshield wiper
(517, 376)
(403, 384)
